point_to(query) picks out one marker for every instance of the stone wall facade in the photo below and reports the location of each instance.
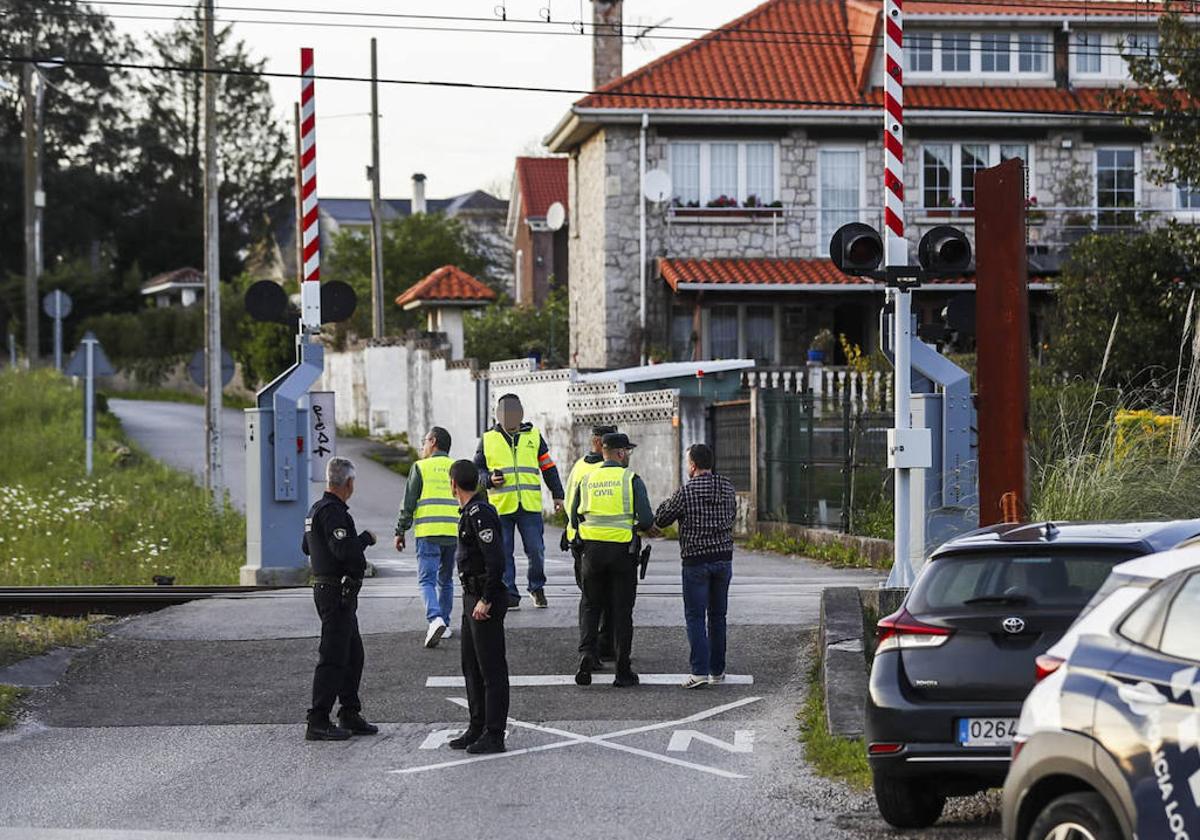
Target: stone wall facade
(604, 250)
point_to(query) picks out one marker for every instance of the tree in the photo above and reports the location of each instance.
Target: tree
(1166, 94)
(1147, 279)
(165, 223)
(503, 331)
(413, 247)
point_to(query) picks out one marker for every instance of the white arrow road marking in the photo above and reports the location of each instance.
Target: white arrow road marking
(681, 739)
(573, 738)
(540, 680)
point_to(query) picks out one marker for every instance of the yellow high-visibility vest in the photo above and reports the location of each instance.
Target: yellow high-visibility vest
(606, 505)
(522, 488)
(437, 509)
(582, 467)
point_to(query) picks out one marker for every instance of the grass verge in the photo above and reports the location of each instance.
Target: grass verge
(831, 756)
(33, 635)
(9, 696)
(133, 518)
(832, 554)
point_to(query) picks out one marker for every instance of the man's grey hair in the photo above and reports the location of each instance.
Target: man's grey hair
(338, 471)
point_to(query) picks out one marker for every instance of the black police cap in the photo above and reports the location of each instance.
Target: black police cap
(601, 431)
(617, 440)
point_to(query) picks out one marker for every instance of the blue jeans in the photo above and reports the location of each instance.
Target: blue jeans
(435, 576)
(529, 523)
(706, 596)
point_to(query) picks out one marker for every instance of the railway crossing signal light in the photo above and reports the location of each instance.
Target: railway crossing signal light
(944, 250)
(856, 249)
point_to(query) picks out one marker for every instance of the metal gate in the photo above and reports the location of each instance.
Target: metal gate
(729, 436)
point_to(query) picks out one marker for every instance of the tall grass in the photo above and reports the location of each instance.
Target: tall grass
(1090, 471)
(133, 519)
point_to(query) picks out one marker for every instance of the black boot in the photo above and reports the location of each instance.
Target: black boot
(587, 664)
(489, 742)
(321, 728)
(355, 723)
(465, 740)
(626, 680)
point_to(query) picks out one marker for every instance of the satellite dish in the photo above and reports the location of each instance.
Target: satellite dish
(556, 216)
(657, 186)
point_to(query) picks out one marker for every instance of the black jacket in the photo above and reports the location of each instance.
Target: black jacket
(480, 555)
(331, 540)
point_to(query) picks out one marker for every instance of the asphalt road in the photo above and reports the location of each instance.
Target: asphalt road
(187, 723)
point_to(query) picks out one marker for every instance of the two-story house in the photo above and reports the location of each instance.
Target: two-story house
(538, 229)
(769, 132)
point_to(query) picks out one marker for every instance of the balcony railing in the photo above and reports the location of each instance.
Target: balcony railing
(1052, 228)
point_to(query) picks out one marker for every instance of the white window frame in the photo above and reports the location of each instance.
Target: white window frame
(956, 166)
(1182, 209)
(1046, 55)
(862, 185)
(706, 144)
(1137, 180)
(975, 56)
(997, 55)
(706, 321)
(1077, 53)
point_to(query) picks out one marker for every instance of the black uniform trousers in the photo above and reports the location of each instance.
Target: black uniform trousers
(485, 667)
(609, 580)
(340, 658)
(604, 645)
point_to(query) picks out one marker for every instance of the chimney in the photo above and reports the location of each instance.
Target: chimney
(606, 41)
(1062, 58)
(418, 193)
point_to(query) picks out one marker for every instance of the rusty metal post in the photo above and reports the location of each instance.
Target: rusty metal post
(1002, 336)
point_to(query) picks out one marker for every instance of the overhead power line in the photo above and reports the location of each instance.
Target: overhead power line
(739, 100)
(783, 37)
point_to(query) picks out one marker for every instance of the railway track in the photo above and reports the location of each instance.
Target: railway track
(111, 600)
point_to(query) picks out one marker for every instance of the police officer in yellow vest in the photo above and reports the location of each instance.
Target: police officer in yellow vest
(583, 466)
(511, 457)
(431, 510)
(610, 507)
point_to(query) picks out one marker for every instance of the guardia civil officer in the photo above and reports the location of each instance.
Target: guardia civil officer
(611, 506)
(570, 540)
(338, 565)
(485, 603)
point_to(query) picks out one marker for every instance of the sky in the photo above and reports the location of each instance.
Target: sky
(460, 139)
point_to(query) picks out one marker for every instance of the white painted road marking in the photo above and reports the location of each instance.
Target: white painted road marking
(681, 739)
(605, 740)
(540, 680)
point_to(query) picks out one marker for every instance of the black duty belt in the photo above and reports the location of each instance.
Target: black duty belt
(327, 579)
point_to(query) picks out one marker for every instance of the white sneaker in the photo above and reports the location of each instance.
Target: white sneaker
(447, 634)
(716, 679)
(437, 629)
(694, 681)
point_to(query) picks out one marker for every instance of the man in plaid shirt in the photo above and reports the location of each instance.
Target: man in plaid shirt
(705, 508)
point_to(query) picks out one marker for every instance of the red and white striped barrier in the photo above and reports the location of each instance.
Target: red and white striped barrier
(893, 132)
(310, 288)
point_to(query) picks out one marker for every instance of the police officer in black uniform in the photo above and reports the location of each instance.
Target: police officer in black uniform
(338, 565)
(481, 564)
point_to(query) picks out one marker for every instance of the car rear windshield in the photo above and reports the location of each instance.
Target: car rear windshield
(1061, 579)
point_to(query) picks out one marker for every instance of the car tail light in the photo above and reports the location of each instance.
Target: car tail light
(878, 748)
(900, 631)
(1047, 665)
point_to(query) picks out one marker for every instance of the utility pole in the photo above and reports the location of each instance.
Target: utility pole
(376, 214)
(212, 269)
(35, 200)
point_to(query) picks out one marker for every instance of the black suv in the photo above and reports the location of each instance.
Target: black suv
(953, 665)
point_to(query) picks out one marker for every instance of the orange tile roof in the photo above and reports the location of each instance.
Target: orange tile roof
(755, 62)
(448, 283)
(759, 272)
(1041, 8)
(542, 181)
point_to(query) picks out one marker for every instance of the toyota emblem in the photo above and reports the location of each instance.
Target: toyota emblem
(1013, 625)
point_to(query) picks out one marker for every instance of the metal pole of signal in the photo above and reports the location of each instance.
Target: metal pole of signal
(212, 268)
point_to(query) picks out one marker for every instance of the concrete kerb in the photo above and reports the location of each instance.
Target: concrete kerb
(843, 666)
